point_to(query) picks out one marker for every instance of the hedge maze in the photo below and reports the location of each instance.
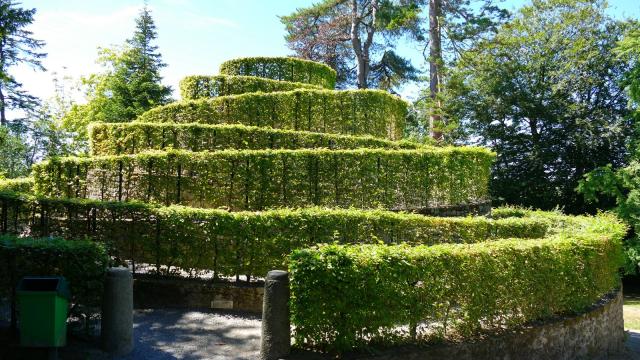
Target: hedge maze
(265, 166)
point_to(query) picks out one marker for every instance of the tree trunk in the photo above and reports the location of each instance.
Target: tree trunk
(362, 50)
(435, 61)
(3, 118)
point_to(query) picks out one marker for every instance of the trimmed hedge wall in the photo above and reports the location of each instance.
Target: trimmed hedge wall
(234, 243)
(349, 112)
(204, 87)
(346, 297)
(132, 138)
(282, 69)
(20, 184)
(83, 263)
(264, 179)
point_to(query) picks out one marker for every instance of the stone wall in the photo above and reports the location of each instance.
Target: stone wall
(150, 292)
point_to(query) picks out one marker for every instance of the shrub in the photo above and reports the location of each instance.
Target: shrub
(283, 69)
(131, 138)
(82, 262)
(19, 185)
(264, 179)
(203, 87)
(350, 112)
(622, 186)
(346, 297)
(233, 243)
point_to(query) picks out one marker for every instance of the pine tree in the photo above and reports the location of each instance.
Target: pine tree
(16, 47)
(143, 62)
(129, 86)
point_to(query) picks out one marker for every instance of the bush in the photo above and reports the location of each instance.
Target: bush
(265, 179)
(203, 87)
(283, 69)
(622, 187)
(82, 262)
(19, 185)
(346, 297)
(131, 138)
(350, 112)
(234, 243)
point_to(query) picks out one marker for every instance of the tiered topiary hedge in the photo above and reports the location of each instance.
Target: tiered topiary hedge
(349, 112)
(203, 87)
(348, 297)
(282, 69)
(132, 138)
(263, 179)
(277, 172)
(231, 243)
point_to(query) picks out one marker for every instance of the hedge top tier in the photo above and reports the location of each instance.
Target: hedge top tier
(268, 134)
(282, 68)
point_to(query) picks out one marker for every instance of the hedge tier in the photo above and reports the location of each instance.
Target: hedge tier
(264, 179)
(234, 243)
(350, 112)
(132, 138)
(203, 87)
(283, 69)
(19, 185)
(346, 297)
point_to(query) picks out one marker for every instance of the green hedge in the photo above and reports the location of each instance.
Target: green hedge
(234, 243)
(283, 69)
(265, 179)
(20, 184)
(204, 87)
(83, 263)
(132, 138)
(349, 112)
(346, 297)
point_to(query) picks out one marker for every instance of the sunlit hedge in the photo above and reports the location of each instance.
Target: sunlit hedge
(346, 297)
(351, 112)
(131, 138)
(264, 179)
(282, 68)
(237, 243)
(203, 87)
(19, 185)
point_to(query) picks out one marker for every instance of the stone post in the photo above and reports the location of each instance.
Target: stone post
(117, 312)
(276, 333)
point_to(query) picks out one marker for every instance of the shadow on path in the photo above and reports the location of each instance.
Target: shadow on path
(180, 334)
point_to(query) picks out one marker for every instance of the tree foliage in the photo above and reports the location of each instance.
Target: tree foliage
(629, 49)
(356, 38)
(13, 152)
(130, 85)
(450, 27)
(17, 46)
(545, 94)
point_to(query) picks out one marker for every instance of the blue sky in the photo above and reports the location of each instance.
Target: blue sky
(194, 36)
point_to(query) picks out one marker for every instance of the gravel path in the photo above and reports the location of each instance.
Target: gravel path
(183, 334)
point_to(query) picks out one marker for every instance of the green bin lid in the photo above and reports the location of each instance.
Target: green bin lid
(45, 284)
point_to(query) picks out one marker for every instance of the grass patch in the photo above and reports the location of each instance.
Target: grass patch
(632, 312)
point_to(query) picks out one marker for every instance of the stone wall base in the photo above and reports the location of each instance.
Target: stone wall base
(150, 292)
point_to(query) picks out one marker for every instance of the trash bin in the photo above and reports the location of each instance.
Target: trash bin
(43, 306)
